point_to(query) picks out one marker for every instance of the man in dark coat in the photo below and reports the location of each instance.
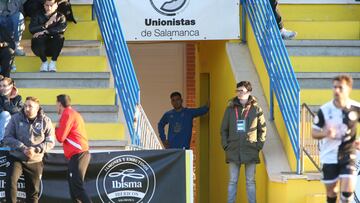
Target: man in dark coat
(243, 133)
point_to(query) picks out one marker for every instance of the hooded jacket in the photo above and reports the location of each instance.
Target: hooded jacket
(243, 147)
(9, 7)
(21, 134)
(12, 105)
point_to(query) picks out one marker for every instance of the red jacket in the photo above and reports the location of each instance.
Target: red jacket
(71, 132)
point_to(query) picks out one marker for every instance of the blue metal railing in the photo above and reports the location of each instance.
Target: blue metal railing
(283, 81)
(125, 80)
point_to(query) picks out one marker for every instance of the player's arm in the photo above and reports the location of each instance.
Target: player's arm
(318, 124)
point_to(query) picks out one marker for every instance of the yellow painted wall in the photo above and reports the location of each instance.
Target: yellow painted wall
(296, 191)
(212, 58)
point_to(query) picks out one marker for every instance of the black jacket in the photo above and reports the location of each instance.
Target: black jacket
(6, 37)
(12, 105)
(56, 25)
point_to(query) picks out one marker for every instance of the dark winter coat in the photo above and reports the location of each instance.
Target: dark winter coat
(54, 24)
(12, 105)
(243, 147)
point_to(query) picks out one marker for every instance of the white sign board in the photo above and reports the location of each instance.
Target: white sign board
(143, 20)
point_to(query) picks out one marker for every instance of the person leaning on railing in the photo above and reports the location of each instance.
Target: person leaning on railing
(180, 120)
(335, 127)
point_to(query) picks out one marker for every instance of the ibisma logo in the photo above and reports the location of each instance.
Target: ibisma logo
(21, 193)
(126, 178)
(168, 7)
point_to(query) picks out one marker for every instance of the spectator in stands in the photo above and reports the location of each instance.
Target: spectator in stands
(285, 34)
(29, 134)
(71, 133)
(7, 54)
(180, 120)
(13, 20)
(243, 132)
(10, 102)
(48, 29)
(335, 127)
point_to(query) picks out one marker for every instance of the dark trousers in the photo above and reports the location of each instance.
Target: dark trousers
(275, 8)
(32, 174)
(76, 175)
(46, 45)
(6, 59)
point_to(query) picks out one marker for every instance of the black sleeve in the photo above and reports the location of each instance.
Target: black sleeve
(35, 25)
(319, 119)
(58, 27)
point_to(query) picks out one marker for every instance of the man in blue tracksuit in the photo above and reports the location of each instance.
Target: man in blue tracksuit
(180, 120)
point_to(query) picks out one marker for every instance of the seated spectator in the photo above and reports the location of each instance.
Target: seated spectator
(13, 20)
(48, 29)
(32, 7)
(285, 34)
(10, 102)
(7, 53)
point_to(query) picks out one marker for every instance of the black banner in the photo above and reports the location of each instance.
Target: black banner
(118, 176)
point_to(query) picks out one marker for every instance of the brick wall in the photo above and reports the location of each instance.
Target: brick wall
(191, 102)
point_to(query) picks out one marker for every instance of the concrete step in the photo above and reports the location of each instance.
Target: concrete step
(323, 47)
(321, 96)
(92, 114)
(64, 64)
(342, 64)
(84, 30)
(339, 30)
(62, 80)
(73, 48)
(82, 2)
(79, 96)
(312, 10)
(98, 145)
(323, 80)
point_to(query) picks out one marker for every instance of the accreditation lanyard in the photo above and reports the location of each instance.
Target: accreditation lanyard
(241, 123)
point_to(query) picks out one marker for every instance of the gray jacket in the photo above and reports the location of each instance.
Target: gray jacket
(9, 7)
(20, 134)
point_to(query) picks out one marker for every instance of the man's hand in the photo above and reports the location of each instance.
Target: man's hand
(3, 44)
(29, 152)
(38, 34)
(331, 133)
(166, 144)
(51, 21)
(357, 144)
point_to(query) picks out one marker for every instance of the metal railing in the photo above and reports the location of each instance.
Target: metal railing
(142, 126)
(309, 145)
(283, 81)
(126, 84)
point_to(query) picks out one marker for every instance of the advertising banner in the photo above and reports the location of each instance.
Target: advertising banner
(143, 20)
(118, 176)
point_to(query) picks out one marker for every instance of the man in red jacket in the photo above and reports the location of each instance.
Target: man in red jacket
(71, 133)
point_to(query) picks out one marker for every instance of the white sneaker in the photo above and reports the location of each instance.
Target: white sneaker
(287, 34)
(52, 66)
(13, 68)
(44, 67)
(19, 51)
